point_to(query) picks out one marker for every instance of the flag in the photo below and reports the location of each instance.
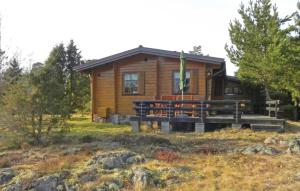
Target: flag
(182, 80)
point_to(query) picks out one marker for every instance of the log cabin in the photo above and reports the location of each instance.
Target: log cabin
(149, 74)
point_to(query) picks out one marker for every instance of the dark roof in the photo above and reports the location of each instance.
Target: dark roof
(232, 78)
(151, 51)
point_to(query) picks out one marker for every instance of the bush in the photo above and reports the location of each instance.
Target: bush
(287, 111)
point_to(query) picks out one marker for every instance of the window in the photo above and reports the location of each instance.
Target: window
(133, 83)
(176, 89)
(228, 90)
(237, 90)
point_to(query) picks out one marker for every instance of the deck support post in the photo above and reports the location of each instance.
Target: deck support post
(136, 126)
(165, 127)
(158, 124)
(150, 124)
(236, 126)
(199, 127)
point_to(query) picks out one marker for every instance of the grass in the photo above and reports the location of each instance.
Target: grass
(211, 167)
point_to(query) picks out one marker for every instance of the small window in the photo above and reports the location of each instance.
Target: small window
(237, 90)
(133, 83)
(228, 90)
(176, 79)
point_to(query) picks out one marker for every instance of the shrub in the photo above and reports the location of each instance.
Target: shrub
(287, 111)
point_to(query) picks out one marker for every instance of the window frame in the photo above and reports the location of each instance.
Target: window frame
(173, 81)
(138, 84)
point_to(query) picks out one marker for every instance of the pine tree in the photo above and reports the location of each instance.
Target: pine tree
(197, 50)
(13, 73)
(77, 85)
(258, 42)
(73, 58)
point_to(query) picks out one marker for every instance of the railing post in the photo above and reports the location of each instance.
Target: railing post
(202, 111)
(276, 109)
(236, 112)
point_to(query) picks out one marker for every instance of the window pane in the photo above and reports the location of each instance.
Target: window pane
(176, 80)
(188, 75)
(127, 76)
(134, 76)
(131, 83)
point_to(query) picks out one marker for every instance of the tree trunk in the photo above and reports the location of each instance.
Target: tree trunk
(39, 133)
(267, 92)
(33, 123)
(296, 110)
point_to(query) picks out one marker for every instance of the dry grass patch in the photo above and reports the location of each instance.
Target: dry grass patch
(63, 162)
(168, 156)
(10, 159)
(240, 172)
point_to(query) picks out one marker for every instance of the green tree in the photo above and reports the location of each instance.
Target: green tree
(48, 98)
(16, 106)
(77, 85)
(197, 50)
(14, 72)
(258, 43)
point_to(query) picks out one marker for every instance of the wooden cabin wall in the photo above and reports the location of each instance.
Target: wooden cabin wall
(136, 64)
(158, 75)
(168, 66)
(103, 93)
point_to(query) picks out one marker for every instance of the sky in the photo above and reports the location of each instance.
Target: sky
(31, 28)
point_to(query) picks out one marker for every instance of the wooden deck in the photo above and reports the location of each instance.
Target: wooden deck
(245, 119)
(169, 113)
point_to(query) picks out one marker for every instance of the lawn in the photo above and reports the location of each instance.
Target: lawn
(212, 160)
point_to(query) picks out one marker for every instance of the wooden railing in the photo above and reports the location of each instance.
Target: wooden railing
(174, 108)
(272, 106)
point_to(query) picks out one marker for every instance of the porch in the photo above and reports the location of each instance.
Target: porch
(237, 113)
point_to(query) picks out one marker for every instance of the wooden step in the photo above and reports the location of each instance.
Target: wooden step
(267, 127)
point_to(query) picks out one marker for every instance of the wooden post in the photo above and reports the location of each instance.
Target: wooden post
(199, 127)
(165, 127)
(136, 126)
(150, 124)
(236, 126)
(276, 109)
(237, 111)
(92, 81)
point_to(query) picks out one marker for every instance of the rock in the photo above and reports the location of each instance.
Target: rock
(71, 151)
(6, 174)
(297, 176)
(135, 159)
(88, 175)
(271, 140)
(173, 180)
(111, 185)
(50, 183)
(114, 187)
(116, 159)
(72, 187)
(258, 149)
(112, 162)
(142, 177)
(294, 146)
(14, 187)
(284, 143)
